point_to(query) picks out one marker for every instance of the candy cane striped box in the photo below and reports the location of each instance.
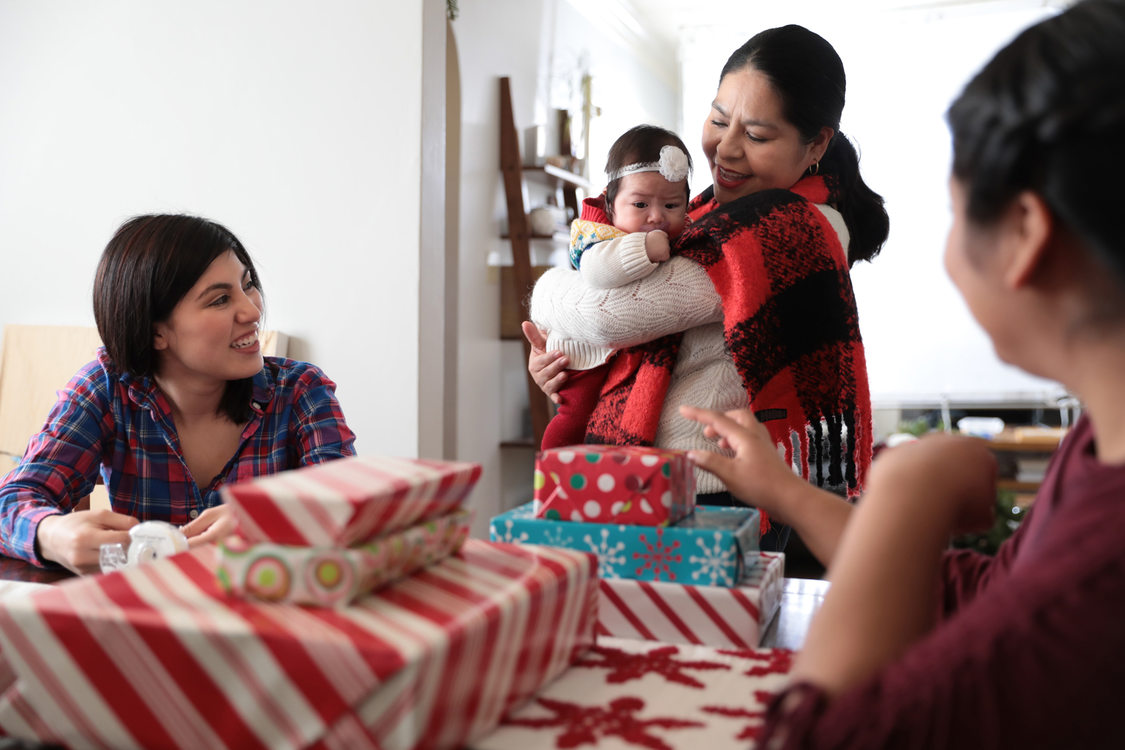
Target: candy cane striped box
(347, 501)
(158, 656)
(715, 616)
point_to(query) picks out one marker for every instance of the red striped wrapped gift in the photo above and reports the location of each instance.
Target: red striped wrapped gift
(716, 616)
(348, 501)
(157, 656)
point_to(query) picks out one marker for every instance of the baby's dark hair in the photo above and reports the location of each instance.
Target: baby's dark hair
(637, 145)
(1047, 114)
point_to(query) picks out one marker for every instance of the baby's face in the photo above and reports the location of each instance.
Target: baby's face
(646, 202)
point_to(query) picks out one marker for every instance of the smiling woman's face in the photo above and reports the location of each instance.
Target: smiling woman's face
(212, 333)
(749, 144)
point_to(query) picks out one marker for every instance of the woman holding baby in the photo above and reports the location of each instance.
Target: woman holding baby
(755, 308)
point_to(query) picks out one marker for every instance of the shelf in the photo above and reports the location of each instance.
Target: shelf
(512, 312)
(518, 279)
(524, 442)
(1027, 439)
(556, 237)
(1012, 484)
(559, 173)
(1007, 446)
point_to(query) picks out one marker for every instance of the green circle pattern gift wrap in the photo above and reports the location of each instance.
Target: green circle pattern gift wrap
(628, 484)
(336, 576)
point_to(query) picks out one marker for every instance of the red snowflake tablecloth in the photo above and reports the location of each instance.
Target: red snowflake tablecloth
(635, 694)
(158, 656)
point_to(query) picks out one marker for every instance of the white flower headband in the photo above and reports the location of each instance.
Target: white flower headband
(673, 166)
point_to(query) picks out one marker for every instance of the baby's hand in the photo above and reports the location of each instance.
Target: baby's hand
(657, 247)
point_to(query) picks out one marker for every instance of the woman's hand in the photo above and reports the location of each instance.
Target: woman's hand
(759, 476)
(74, 540)
(958, 473)
(210, 526)
(756, 473)
(548, 369)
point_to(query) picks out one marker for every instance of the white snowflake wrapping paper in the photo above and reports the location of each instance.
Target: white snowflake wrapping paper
(626, 694)
(716, 616)
(706, 548)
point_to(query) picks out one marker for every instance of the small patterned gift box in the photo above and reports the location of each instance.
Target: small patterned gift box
(715, 616)
(334, 576)
(706, 548)
(628, 484)
(158, 655)
(347, 501)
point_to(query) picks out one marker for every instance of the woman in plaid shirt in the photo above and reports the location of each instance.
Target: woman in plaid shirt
(179, 401)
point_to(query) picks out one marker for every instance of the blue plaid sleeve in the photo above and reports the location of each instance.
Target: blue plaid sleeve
(322, 433)
(60, 465)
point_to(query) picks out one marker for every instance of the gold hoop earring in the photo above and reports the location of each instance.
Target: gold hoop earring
(814, 168)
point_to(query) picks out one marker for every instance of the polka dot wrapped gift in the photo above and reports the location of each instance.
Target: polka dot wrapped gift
(628, 484)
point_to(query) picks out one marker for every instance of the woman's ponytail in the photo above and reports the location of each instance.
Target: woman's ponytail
(861, 207)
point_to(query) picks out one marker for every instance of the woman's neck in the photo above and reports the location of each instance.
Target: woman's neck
(192, 401)
(1097, 382)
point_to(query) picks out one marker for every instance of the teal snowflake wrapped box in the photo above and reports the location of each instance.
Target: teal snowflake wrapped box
(706, 548)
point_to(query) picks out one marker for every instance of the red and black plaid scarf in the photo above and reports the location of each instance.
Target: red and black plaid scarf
(791, 325)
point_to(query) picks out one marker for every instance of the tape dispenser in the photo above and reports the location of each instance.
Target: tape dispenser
(148, 541)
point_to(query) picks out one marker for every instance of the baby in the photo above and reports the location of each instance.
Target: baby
(621, 236)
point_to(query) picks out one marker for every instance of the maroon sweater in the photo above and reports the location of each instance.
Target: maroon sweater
(1031, 652)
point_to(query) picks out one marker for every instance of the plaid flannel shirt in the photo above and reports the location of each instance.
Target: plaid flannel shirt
(121, 425)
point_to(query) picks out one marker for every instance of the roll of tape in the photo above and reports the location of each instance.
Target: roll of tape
(151, 540)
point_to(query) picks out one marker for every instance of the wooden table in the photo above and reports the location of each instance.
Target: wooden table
(800, 599)
(12, 569)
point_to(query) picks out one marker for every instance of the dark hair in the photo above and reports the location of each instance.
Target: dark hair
(1047, 114)
(147, 267)
(808, 77)
(638, 145)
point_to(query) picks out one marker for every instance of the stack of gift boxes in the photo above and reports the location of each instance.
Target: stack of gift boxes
(349, 610)
(669, 570)
(330, 533)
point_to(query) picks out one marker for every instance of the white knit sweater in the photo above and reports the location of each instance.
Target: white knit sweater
(587, 323)
(676, 296)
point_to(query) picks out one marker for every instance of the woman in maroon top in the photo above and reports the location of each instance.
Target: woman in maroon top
(920, 646)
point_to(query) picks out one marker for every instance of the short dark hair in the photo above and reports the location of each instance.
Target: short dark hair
(808, 77)
(147, 267)
(637, 145)
(1047, 114)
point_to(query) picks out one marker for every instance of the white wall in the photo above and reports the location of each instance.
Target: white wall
(296, 124)
(537, 44)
